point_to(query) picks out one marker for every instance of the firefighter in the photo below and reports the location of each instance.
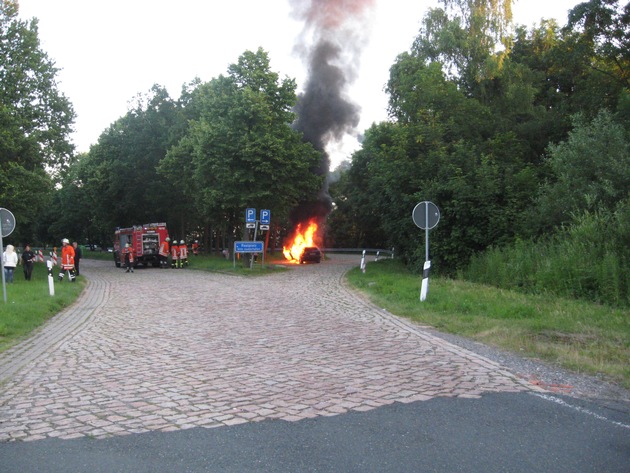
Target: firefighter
(174, 255)
(195, 248)
(67, 261)
(183, 254)
(163, 253)
(128, 252)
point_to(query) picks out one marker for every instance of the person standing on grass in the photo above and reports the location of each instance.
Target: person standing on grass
(67, 261)
(78, 254)
(28, 258)
(10, 261)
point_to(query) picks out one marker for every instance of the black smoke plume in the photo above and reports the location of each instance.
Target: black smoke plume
(324, 112)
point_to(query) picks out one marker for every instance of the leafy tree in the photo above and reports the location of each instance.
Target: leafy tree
(459, 139)
(241, 150)
(463, 37)
(119, 175)
(591, 171)
(35, 119)
(357, 217)
(605, 26)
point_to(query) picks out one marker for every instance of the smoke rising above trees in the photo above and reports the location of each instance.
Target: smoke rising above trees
(330, 45)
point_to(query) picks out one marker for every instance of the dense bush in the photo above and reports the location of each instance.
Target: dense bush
(589, 259)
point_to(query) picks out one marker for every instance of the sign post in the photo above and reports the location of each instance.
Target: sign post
(251, 222)
(265, 219)
(7, 225)
(248, 247)
(51, 281)
(425, 215)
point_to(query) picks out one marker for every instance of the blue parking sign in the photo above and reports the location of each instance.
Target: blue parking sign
(250, 216)
(265, 216)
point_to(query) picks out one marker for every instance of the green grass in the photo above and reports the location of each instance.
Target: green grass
(580, 336)
(273, 263)
(29, 303)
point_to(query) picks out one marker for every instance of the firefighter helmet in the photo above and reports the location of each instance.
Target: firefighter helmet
(65, 240)
(127, 245)
(181, 242)
(168, 239)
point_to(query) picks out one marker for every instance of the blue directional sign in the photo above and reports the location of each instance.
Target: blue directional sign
(250, 215)
(265, 216)
(248, 246)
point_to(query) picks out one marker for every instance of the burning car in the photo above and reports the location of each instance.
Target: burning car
(301, 247)
(310, 253)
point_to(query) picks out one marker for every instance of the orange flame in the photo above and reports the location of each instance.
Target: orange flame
(301, 240)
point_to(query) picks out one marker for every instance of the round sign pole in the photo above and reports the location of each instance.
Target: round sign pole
(426, 231)
(425, 215)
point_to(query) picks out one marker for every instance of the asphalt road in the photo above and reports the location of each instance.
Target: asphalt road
(175, 370)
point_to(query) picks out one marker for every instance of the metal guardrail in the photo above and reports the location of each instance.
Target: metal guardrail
(368, 251)
(376, 252)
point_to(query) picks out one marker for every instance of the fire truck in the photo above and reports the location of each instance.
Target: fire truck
(145, 243)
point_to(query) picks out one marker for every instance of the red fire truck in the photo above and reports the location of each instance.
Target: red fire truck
(145, 243)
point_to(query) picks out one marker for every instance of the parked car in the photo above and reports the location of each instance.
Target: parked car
(311, 253)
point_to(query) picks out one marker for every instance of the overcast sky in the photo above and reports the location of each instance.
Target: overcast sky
(110, 51)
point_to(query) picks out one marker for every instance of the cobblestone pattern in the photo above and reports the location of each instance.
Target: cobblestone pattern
(174, 349)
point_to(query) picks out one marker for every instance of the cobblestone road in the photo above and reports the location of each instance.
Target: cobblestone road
(162, 350)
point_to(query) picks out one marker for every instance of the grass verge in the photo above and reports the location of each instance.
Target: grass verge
(580, 336)
(29, 303)
(273, 263)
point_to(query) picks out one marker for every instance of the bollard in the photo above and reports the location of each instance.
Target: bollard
(425, 281)
(363, 262)
(51, 281)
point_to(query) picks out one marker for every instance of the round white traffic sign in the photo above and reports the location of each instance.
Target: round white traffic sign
(426, 215)
(7, 222)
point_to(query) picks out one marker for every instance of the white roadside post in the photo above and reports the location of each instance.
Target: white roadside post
(51, 279)
(363, 262)
(424, 289)
(425, 215)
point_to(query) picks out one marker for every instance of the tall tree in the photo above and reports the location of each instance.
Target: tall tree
(605, 26)
(35, 118)
(241, 151)
(119, 174)
(463, 37)
(590, 171)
